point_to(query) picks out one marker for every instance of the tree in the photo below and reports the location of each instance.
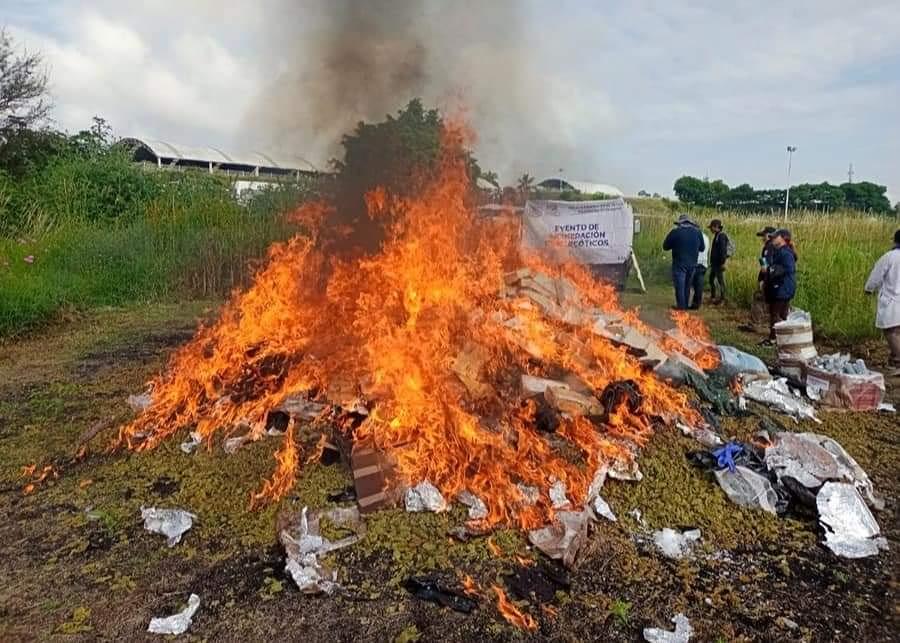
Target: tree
(23, 87)
(492, 178)
(525, 185)
(692, 190)
(644, 194)
(400, 154)
(866, 196)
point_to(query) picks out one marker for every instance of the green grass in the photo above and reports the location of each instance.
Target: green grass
(836, 253)
(198, 248)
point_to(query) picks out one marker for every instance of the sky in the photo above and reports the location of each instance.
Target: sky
(633, 94)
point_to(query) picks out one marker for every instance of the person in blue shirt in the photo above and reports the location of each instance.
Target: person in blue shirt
(781, 280)
(685, 241)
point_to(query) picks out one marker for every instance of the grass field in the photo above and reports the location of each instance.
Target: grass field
(193, 247)
(836, 253)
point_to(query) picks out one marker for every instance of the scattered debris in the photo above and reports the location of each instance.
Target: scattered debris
(194, 440)
(564, 537)
(171, 523)
(558, 495)
(850, 528)
(538, 582)
(813, 459)
(530, 495)
(638, 517)
(425, 497)
(374, 477)
(833, 385)
(303, 544)
(231, 445)
(140, 402)
(777, 394)
(682, 634)
(602, 509)
(673, 543)
(735, 362)
(747, 488)
(177, 623)
(477, 509)
(428, 588)
(840, 363)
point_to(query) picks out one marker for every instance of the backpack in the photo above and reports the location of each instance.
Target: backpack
(730, 247)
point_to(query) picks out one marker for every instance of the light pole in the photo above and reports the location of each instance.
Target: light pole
(787, 193)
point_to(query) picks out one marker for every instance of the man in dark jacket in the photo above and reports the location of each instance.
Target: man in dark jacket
(686, 242)
(718, 255)
(765, 256)
(781, 280)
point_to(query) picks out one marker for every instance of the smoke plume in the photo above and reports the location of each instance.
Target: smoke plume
(336, 62)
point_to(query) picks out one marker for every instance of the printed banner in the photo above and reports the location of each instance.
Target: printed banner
(593, 232)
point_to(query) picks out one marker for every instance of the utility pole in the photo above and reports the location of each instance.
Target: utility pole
(787, 193)
(850, 174)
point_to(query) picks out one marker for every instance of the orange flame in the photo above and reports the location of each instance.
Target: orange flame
(495, 549)
(513, 614)
(707, 357)
(394, 327)
(285, 472)
(470, 587)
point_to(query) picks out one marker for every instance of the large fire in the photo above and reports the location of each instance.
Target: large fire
(387, 330)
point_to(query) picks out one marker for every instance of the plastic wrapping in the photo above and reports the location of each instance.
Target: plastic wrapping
(303, 544)
(177, 623)
(425, 497)
(733, 361)
(558, 494)
(748, 488)
(777, 394)
(812, 459)
(675, 544)
(562, 539)
(171, 523)
(602, 509)
(477, 509)
(682, 634)
(850, 528)
(194, 440)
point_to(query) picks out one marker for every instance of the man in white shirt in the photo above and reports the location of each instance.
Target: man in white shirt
(699, 277)
(885, 278)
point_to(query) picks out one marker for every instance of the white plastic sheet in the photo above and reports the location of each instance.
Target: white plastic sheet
(675, 544)
(171, 523)
(425, 497)
(177, 623)
(303, 544)
(777, 394)
(477, 509)
(682, 634)
(850, 528)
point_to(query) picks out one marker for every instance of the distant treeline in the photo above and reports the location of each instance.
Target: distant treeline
(864, 196)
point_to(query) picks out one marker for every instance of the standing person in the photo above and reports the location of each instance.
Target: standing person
(765, 256)
(720, 250)
(699, 277)
(685, 242)
(885, 278)
(781, 281)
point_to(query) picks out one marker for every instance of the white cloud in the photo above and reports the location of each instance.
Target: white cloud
(621, 92)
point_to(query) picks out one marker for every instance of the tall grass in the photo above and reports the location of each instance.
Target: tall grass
(836, 253)
(190, 242)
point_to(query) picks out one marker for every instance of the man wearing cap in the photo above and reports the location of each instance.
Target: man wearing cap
(885, 278)
(781, 280)
(685, 242)
(765, 257)
(718, 255)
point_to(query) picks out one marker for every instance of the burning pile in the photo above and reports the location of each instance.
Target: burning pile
(446, 350)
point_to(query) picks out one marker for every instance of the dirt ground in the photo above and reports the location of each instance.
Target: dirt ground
(78, 564)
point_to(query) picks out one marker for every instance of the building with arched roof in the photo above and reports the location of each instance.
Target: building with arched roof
(172, 155)
(585, 187)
